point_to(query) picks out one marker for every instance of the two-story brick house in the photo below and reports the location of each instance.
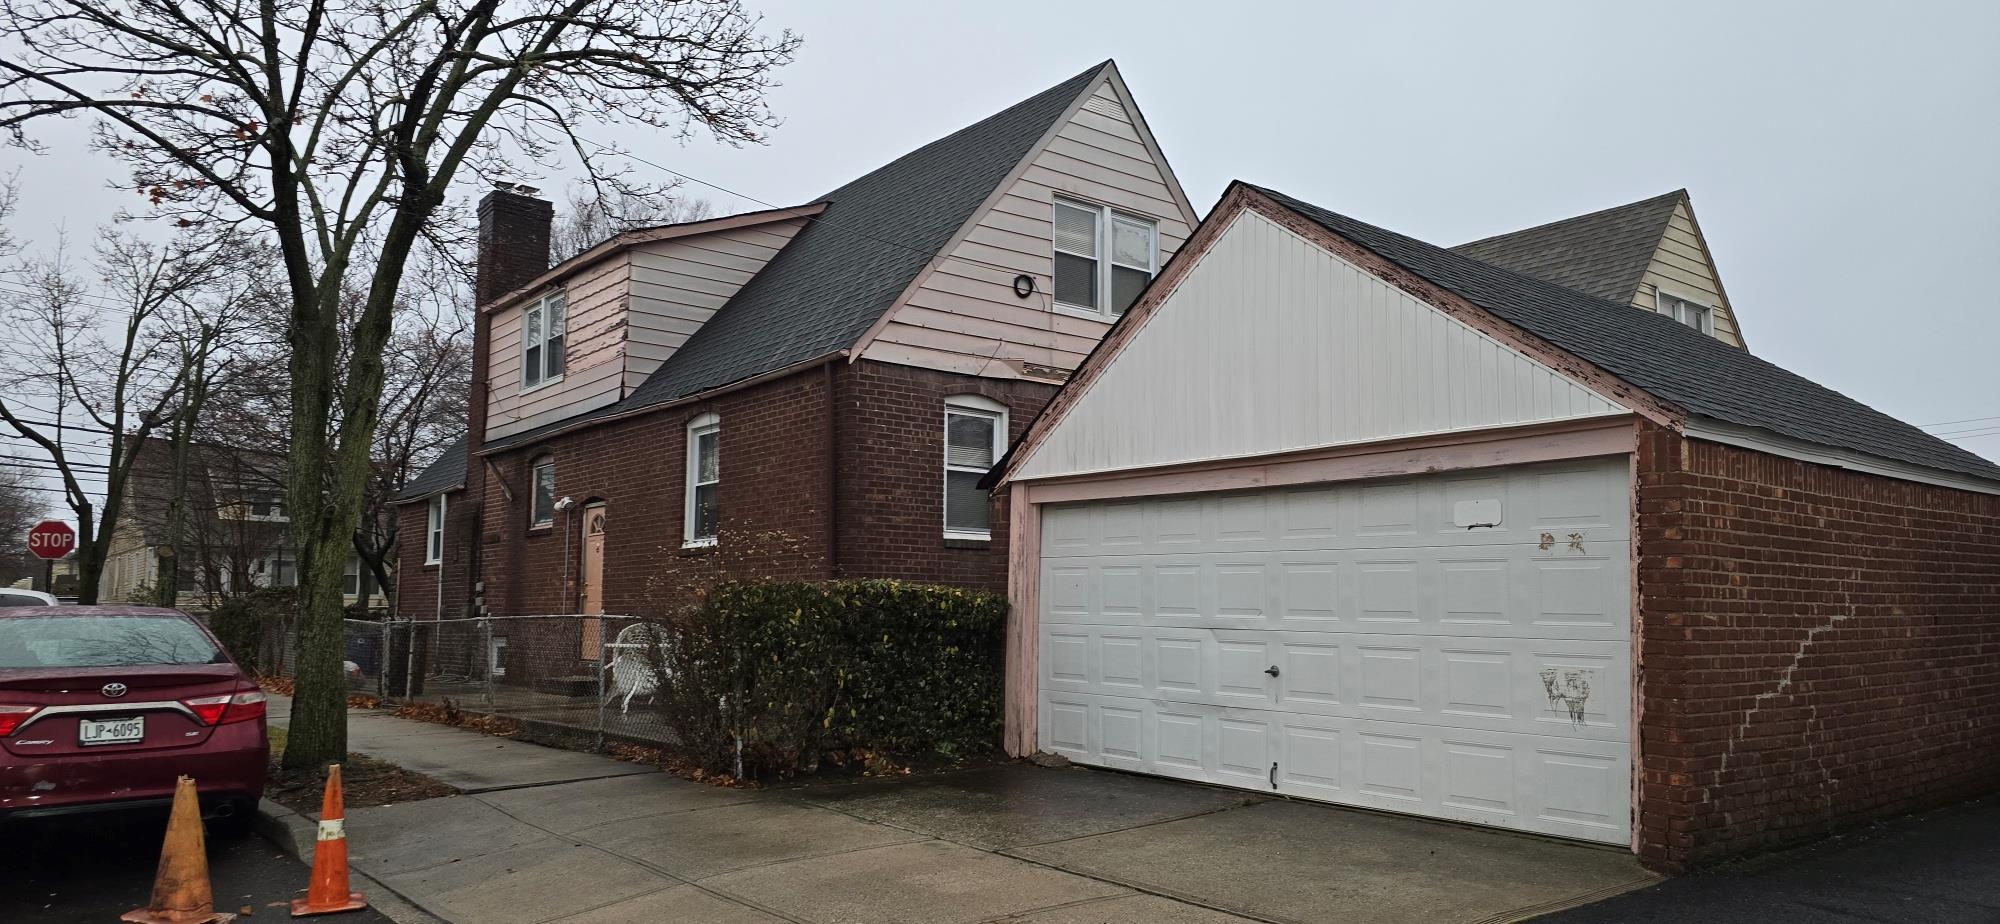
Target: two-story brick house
(830, 379)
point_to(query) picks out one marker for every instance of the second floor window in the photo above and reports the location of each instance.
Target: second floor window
(704, 479)
(1104, 258)
(542, 496)
(542, 325)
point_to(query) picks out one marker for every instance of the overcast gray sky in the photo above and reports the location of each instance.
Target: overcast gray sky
(1841, 157)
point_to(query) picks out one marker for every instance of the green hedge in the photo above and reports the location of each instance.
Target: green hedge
(801, 669)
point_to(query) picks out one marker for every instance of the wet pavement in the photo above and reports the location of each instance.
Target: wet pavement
(1939, 867)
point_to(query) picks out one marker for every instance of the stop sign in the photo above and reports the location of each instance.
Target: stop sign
(51, 539)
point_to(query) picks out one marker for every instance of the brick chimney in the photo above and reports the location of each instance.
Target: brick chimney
(513, 249)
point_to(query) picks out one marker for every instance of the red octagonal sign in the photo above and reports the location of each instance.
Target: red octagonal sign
(51, 539)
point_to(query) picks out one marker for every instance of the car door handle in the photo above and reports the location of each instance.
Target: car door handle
(1272, 670)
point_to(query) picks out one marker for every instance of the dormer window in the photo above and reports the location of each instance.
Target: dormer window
(1687, 311)
(1104, 258)
(542, 324)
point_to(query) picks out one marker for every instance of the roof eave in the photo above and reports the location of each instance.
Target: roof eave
(1769, 441)
(627, 240)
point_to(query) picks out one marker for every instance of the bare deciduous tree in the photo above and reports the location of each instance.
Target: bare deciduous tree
(589, 220)
(339, 128)
(114, 357)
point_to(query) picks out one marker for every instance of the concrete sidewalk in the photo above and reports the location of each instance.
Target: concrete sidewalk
(546, 835)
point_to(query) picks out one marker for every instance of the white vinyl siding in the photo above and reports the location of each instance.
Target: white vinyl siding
(678, 284)
(1103, 259)
(434, 531)
(1682, 265)
(703, 516)
(1340, 357)
(542, 331)
(542, 494)
(975, 433)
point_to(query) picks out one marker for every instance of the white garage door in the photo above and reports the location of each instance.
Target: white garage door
(1357, 643)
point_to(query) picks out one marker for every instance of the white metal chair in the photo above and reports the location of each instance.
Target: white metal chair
(631, 670)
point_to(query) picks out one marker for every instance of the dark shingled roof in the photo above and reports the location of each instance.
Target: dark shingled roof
(1602, 253)
(1701, 374)
(444, 473)
(849, 263)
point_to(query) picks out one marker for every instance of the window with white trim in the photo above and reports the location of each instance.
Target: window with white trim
(1103, 259)
(434, 532)
(543, 324)
(542, 493)
(975, 434)
(704, 480)
(1693, 314)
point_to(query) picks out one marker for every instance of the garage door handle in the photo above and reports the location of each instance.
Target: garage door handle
(1274, 774)
(1272, 670)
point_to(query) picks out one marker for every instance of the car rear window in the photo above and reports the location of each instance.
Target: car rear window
(103, 641)
(7, 599)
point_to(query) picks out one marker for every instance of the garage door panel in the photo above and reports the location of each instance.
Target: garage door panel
(1553, 687)
(1453, 645)
(1492, 590)
(1491, 507)
(1547, 785)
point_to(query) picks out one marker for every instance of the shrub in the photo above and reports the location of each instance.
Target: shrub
(798, 669)
(245, 623)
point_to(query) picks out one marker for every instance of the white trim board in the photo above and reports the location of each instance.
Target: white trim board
(1717, 431)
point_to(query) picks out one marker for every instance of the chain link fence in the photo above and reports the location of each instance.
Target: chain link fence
(566, 676)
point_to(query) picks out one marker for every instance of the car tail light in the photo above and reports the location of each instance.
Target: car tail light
(11, 717)
(227, 708)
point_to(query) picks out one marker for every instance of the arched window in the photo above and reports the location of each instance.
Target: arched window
(704, 480)
(975, 434)
(542, 493)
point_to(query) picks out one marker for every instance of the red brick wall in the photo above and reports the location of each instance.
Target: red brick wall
(416, 583)
(892, 473)
(1819, 647)
(772, 482)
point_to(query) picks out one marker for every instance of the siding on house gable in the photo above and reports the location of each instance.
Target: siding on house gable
(1353, 358)
(965, 317)
(1683, 266)
(678, 284)
(627, 313)
(594, 354)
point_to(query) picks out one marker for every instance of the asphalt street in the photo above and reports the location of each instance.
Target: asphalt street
(1941, 867)
(91, 869)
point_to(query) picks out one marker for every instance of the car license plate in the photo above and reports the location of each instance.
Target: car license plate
(112, 731)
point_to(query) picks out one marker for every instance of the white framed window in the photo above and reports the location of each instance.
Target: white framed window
(543, 324)
(703, 517)
(542, 493)
(1686, 310)
(434, 532)
(1103, 257)
(975, 434)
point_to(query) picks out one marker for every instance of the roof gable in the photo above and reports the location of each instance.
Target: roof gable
(1695, 372)
(1642, 359)
(445, 473)
(1603, 253)
(850, 263)
(1354, 358)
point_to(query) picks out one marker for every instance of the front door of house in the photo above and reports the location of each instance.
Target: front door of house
(592, 601)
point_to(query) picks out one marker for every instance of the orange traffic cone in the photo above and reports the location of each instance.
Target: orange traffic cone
(328, 893)
(180, 887)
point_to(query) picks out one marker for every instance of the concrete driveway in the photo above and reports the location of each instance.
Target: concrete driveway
(579, 838)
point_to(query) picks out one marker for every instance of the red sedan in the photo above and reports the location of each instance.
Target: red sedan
(102, 707)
